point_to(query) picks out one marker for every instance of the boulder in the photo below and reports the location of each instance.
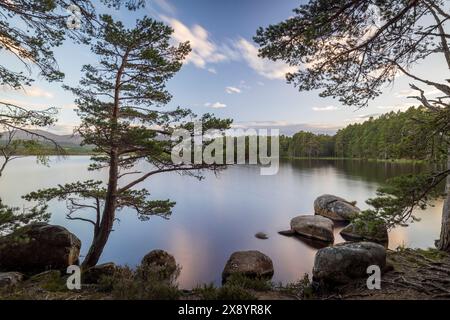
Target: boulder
(10, 279)
(314, 227)
(39, 247)
(252, 264)
(335, 208)
(93, 275)
(378, 234)
(159, 263)
(347, 261)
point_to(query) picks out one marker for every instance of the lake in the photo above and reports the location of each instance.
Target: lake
(220, 215)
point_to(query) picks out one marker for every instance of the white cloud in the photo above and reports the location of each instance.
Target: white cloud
(327, 108)
(212, 70)
(287, 127)
(266, 68)
(204, 50)
(34, 91)
(414, 93)
(37, 92)
(166, 6)
(217, 105)
(232, 90)
(260, 83)
(397, 107)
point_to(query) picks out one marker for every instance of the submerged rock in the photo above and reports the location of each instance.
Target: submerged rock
(335, 208)
(347, 261)
(8, 279)
(253, 264)
(159, 263)
(314, 227)
(378, 234)
(39, 247)
(287, 233)
(262, 236)
(95, 274)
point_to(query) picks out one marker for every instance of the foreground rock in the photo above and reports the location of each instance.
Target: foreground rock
(159, 263)
(252, 264)
(39, 247)
(335, 208)
(95, 274)
(347, 261)
(379, 234)
(314, 227)
(10, 279)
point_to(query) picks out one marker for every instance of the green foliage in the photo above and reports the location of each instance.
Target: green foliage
(12, 218)
(351, 49)
(396, 201)
(127, 284)
(408, 135)
(227, 292)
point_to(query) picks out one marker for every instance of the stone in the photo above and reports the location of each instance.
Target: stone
(262, 236)
(347, 261)
(252, 264)
(159, 263)
(8, 279)
(287, 233)
(93, 275)
(363, 233)
(335, 208)
(39, 247)
(314, 227)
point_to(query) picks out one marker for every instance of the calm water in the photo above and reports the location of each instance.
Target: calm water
(220, 215)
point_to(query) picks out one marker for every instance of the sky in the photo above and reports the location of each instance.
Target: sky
(223, 74)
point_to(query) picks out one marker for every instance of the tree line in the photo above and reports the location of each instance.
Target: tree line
(394, 135)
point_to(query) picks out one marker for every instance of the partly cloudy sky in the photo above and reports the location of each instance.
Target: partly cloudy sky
(224, 74)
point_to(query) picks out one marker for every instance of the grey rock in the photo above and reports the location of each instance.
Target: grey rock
(93, 275)
(363, 233)
(8, 279)
(335, 208)
(314, 227)
(39, 247)
(252, 264)
(262, 236)
(287, 233)
(347, 261)
(159, 263)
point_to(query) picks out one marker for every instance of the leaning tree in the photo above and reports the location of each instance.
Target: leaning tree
(122, 104)
(352, 49)
(30, 30)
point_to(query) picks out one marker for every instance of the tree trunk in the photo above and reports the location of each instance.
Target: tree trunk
(108, 216)
(444, 241)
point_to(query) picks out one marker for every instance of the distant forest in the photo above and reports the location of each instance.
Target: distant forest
(395, 135)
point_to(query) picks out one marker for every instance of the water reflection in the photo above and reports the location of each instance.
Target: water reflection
(220, 215)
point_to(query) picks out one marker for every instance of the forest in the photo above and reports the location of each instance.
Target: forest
(391, 136)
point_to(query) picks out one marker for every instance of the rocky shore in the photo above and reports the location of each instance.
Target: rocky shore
(34, 260)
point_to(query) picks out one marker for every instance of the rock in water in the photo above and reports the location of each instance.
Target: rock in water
(335, 208)
(94, 275)
(314, 227)
(39, 247)
(252, 264)
(347, 261)
(159, 263)
(10, 279)
(379, 234)
(262, 236)
(287, 233)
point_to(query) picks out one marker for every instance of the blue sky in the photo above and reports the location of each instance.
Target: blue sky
(223, 74)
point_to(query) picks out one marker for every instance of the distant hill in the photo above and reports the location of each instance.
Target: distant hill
(63, 140)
